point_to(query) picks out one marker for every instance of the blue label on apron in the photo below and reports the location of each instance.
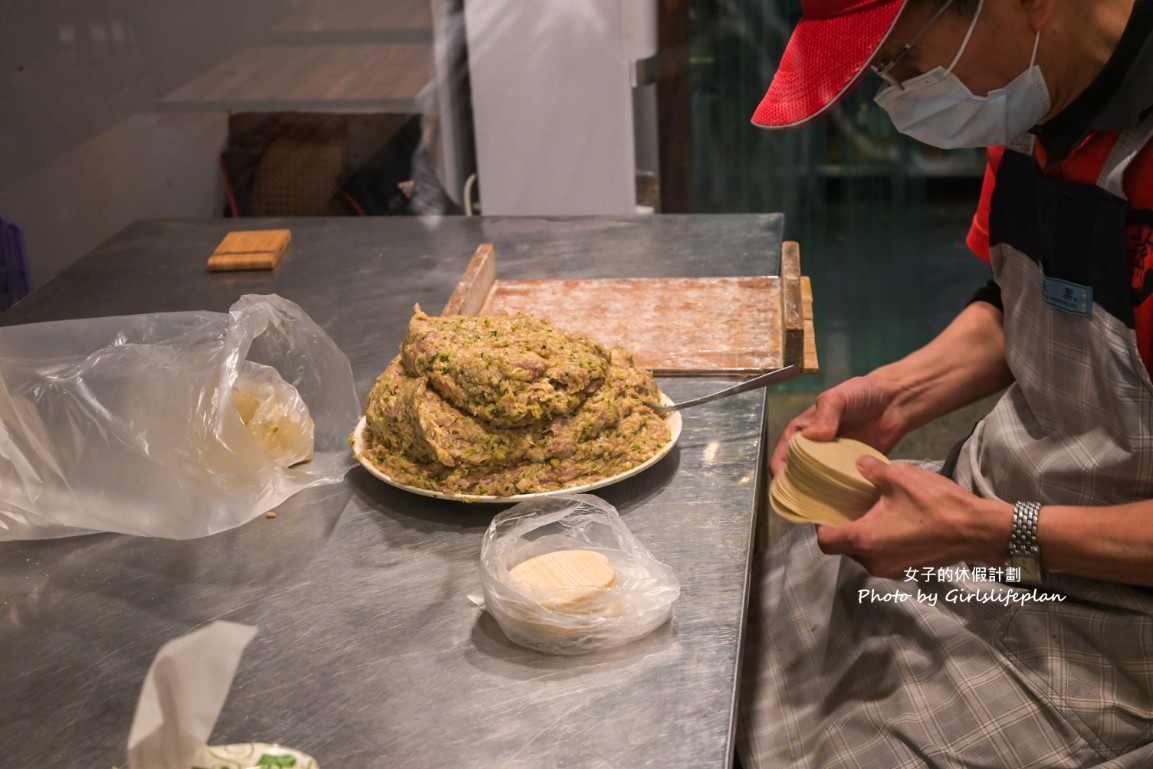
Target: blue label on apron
(1067, 297)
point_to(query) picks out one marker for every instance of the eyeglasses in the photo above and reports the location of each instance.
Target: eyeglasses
(884, 68)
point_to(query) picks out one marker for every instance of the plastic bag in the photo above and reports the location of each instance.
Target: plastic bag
(130, 424)
(640, 600)
(274, 413)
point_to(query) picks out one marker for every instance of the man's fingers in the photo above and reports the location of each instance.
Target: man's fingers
(833, 541)
(874, 470)
(824, 426)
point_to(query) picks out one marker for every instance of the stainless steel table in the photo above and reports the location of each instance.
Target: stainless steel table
(369, 653)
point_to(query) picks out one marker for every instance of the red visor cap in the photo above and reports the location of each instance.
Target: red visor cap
(828, 54)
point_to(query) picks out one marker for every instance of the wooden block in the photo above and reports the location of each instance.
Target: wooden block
(812, 365)
(475, 285)
(250, 250)
(792, 307)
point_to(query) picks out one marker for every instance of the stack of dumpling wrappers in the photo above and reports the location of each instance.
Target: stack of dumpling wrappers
(566, 580)
(821, 482)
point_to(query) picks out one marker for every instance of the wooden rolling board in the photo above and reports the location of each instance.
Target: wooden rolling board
(684, 326)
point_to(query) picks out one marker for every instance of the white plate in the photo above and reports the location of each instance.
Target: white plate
(673, 419)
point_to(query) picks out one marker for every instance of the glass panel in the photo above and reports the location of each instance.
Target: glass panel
(117, 110)
(880, 218)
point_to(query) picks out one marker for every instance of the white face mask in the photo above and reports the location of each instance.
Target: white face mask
(938, 109)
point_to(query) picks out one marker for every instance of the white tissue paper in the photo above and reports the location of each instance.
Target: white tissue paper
(183, 694)
(182, 697)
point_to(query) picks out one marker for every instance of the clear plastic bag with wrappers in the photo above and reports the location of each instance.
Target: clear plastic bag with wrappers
(639, 601)
(133, 424)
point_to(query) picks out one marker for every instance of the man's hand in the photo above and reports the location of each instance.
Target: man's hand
(857, 408)
(963, 363)
(921, 519)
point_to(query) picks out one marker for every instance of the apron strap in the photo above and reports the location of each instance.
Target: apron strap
(1112, 176)
(1023, 144)
(1129, 143)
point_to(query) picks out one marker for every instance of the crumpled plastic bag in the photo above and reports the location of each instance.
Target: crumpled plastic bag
(274, 413)
(640, 600)
(130, 424)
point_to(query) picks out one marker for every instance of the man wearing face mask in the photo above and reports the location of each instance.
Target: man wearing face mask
(897, 654)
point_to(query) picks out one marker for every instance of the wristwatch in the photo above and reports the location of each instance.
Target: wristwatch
(1024, 552)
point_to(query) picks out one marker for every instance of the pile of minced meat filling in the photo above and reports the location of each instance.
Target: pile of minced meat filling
(499, 405)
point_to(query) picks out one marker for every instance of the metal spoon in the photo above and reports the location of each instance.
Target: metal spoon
(763, 380)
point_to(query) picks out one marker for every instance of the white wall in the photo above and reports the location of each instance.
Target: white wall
(553, 102)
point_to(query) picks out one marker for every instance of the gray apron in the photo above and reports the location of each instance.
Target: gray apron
(841, 672)
(1076, 426)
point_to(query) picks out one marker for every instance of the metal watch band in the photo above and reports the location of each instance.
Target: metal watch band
(1023, 535)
